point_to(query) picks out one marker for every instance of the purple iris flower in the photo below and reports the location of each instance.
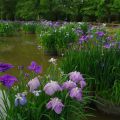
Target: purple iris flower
(34, 84)
(76, 93)
(79, 31)
(52, 87)
(100, 33)
(83, 38)
(50, 23)
(8, 80)
(76, 76)
(55, 104)
(34, 67)
(107, 45)
(109, 38)
(26, 75)
(5, 66)
(82, 84)
(69, 85)
(20, 99)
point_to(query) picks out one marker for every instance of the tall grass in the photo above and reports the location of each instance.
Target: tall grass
(99, 63)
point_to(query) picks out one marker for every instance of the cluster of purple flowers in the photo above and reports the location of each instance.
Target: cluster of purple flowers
(74, 87)
(76, 91)
(51, 23)
(107, 42)
(7, 80)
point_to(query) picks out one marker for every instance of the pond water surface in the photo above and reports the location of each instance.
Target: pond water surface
(22, 49)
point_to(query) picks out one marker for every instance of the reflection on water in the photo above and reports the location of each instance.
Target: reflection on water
(21, 50)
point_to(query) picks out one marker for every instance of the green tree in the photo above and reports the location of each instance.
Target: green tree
(8, 8)
(71, 10)
(115, 9)
(27, 9)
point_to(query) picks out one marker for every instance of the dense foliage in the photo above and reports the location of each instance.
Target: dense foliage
(71, 10)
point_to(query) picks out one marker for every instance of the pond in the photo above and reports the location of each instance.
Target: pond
(22, 49)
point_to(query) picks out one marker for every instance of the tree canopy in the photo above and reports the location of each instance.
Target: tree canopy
(71, 10)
